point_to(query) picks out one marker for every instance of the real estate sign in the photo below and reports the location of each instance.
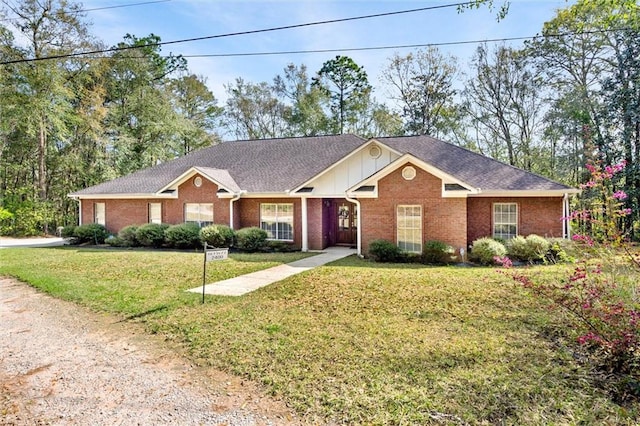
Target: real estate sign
(211, 255)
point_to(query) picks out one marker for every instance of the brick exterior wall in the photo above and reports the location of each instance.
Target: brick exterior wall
(539, 215)
(249, 214)
(122, 212)
(443, 219)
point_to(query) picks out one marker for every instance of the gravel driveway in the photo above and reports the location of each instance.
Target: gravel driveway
(61, 364)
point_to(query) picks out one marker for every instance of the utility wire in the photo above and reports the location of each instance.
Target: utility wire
(118, 6)
(286, 27)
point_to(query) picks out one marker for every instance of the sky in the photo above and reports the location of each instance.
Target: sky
(183, 19)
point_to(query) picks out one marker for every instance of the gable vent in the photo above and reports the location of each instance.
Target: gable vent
(375, 151)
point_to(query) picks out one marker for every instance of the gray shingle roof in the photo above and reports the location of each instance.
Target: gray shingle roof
(270, 165)
(470, 167)
(277, 165)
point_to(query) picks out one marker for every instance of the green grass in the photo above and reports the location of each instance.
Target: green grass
(352, 342)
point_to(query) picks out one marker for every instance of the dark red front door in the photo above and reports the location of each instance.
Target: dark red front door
(347, 216)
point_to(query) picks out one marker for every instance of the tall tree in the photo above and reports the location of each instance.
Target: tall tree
(197, 108)
(348, 87)
(306, 115)
(504, 101)
(254, 111)
(422, 84)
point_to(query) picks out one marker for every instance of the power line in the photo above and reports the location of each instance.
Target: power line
(286, 27)
(118, 6)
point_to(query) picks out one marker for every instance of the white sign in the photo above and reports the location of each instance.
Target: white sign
(217, 254)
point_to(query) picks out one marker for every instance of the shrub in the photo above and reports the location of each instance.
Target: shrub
(183, 235)
(437, 253)
(557, 252)
(68, 231)
(280, 246)
(151, 234)
(384, 251)
(115, 241)
(251, 239)
(217, 235)
(90, 233)
(538, 246)
(530, 249)
(128, 236)
(485, 250)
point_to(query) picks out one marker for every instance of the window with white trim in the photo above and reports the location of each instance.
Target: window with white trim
(200, 213)
(277, 220)
(505, 220)
(99, 214)
(409, 227)
(155, 212)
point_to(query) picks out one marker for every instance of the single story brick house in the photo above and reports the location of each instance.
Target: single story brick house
(315, 192)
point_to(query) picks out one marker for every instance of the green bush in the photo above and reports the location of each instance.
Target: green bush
(90, 233)
(115, 241)
(128, 236)
(436, 252)
(183, 235)
(151, 234)
(217, 235)
(280, 246)
(385, 251)
(68, 231)
(484, 250)
(530, 249)
(559, 252)
(251, 239)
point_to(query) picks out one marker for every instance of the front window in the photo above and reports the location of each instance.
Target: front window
(99, 214)
(201, 213)
(155, 213)
(505, 220)
(410, 228)
(277, 220)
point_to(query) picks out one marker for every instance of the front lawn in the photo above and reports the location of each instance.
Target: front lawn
(352, 342)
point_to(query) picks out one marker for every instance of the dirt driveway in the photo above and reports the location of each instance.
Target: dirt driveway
(61, 364)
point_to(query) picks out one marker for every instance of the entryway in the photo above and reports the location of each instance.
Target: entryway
(347, 223)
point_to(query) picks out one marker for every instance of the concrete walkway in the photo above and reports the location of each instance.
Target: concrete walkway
(247, 283)
(31, 242)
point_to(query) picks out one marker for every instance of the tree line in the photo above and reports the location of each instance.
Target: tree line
(567, 97)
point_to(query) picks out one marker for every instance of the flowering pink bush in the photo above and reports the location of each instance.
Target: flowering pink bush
(600, 297)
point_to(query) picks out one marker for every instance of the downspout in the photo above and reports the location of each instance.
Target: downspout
(566, 226)
(234, 199)
(305, 225)
(358, 224)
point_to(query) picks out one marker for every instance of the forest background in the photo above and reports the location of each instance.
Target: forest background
(74, 112)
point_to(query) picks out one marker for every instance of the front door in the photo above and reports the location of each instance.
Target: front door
(347, 223)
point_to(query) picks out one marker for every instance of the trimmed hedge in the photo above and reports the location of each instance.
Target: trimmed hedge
(90, 233)
(183, 235)
(151, 234)
(530, 249)
(385, 251)
(484, 250)
(217, 235)
(251, 239)
(127, 236)
(436, 252)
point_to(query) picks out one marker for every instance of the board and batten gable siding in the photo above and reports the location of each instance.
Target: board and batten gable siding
(354, 169)
(443, 219)
(536, 215)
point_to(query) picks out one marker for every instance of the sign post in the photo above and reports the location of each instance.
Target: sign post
(211, 255)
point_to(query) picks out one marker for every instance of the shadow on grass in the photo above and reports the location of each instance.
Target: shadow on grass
(144, 314)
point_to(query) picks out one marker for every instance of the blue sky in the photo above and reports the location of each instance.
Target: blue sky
(180, 19)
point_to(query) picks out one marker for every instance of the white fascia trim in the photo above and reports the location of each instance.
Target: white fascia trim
(174, 184)
(409, 158)
(124, 196)
(526, 193)
(345, 158)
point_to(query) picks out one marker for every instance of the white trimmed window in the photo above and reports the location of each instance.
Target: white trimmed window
(99, 214)
(277, 220)
(200, 213)
(505, 220)
(155, 212)
(409, 221)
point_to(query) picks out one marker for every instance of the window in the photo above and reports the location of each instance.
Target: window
(277, 220)
(155, 213)
(99, 215)
(410, 228)
(505, 220)
(202, 213)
